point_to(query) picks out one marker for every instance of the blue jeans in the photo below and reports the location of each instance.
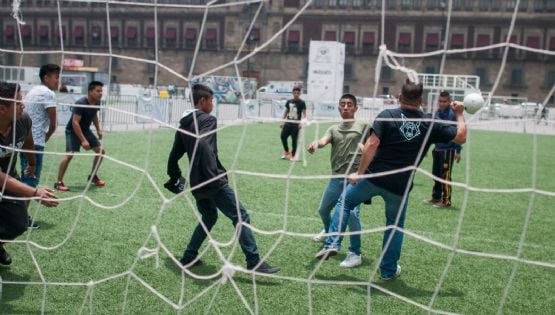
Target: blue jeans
(354, 196)
(33, 182)
(329, 200)
(224, 200)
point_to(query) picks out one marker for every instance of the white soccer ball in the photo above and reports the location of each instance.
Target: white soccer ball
(473, 102)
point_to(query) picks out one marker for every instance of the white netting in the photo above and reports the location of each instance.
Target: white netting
(137, 113)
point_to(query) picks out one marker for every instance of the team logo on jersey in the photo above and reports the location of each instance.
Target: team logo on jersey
(7, 152)
(409, 129)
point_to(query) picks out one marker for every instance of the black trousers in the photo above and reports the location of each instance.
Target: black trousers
(442, 167)
(292, 130)
(13, 218)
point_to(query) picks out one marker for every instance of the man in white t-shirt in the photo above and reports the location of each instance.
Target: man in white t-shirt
(40, 104)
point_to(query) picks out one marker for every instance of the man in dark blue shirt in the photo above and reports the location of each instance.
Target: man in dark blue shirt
(390, 156)
(79, 134)
(444, 154)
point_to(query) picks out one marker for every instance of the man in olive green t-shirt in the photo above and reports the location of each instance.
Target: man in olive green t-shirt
(345, 139)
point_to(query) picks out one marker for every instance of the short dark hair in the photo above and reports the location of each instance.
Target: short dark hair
(411, 92)
(94, 84)
(445, 94)
(48, 69)
(351, 97)
(8, 92)
(201, 91)
(296, 89)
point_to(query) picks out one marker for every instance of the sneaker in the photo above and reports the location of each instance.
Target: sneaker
(96, 181)
(352, 260)
(60, 186)
(264, 267)
(293, 158)
(286, 155)
(320, 237)
(326, 253)
(5, 258)
(33, 224)
(192, 262)
(432, 201)
(442, 205)
(396, 275)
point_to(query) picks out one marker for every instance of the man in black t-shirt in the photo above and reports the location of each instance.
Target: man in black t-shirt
(15, 134)
(79, 134)
(399, 140)
(295, 110)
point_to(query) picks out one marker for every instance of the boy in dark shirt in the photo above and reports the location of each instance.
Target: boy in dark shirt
(208, 180)
(295, 110)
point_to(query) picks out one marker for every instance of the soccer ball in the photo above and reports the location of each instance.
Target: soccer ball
(473, 102)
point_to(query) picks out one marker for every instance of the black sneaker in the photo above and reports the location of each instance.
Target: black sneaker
(33, 224)
(264, 267)
(5, 258)
(191, 262)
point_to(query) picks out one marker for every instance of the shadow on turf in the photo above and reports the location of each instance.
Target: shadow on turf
(207, 269)
(12, 292)
(398, 286)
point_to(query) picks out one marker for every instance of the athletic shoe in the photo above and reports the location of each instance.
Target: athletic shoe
(5, 258)
(321, 237)
(396, 275)
(432, 201)
(33, 224)
(60, 186)
(191, 262)
(286, 155)
(326, 253)
(96, 181)
(264, 267)
(293, 158)
(352, 260)
(442, 205)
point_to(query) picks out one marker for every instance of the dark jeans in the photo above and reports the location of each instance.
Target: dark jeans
(13, 218)
(224, 200)
(292, 130)
(33, 182)
(442, 167)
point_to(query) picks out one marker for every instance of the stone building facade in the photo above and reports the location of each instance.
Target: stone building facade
(134, 31)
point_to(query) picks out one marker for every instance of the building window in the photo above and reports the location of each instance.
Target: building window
(44, 35)
(63, 35)
(114, 35)
(482, 74)
(9, 34)
(391, 4)
(549, 79)
(368, 40)
(552, 43)
(349, 40)
(432, 4)
(171, 37)
(210, 39)
(190, 38)
(430, 70)
(43, 59)
(481, 41)
(387, 74)
(468, 4)
(342, 3)
(131, 35)
(96, 35)
(293, 40)
(319, 3)
(332, 3)
(357, 3)
(495, 4)
(10, 59)
(254, 36)
(485, 5)
(79, 35)
(330, 36)
(517, 77)
(533, 42)
(404, 41)
(348, 71)
(457, 41)
(432, 41)
(150, 36)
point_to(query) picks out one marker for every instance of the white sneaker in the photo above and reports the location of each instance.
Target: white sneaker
(396, 275)
(320, 237)
(326, 253)
(352, 260)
